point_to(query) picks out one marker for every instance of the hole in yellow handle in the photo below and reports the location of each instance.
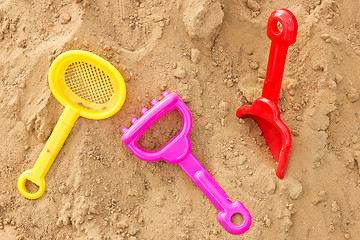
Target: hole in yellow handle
(31, 187)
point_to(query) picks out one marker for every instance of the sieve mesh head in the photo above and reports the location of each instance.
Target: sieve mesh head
(89, 82)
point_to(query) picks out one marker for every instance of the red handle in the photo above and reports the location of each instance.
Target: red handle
(280, 41)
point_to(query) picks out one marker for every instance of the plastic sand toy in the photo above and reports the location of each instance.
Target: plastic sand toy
(178, 150)
(87, 86)
(264, 110)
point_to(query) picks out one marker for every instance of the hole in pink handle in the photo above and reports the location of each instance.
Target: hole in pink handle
(237, 219)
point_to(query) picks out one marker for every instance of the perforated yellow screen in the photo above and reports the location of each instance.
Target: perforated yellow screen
(89, 82)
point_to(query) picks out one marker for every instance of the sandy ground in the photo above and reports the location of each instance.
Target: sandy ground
(214, 55)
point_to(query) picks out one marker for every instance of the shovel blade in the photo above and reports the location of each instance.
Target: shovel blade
(277, 135)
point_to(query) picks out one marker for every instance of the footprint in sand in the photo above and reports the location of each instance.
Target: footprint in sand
(138, 28)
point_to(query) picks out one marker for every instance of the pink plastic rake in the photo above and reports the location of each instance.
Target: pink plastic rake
(178, 150)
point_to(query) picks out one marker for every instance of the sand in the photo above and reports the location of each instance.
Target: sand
(213, 54)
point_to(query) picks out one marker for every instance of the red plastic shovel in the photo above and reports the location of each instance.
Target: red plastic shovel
(264, 110)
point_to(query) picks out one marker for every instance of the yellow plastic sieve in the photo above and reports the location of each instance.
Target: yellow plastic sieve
(87, 86)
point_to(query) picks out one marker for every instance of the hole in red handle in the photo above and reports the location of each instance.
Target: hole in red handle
(277, 28)
(237, 219)
(162, 131)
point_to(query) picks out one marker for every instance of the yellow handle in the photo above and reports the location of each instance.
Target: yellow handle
(48, 154)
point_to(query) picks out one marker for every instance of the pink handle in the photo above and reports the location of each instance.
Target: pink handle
(217, 196)
(178, 150)
(280, 41)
